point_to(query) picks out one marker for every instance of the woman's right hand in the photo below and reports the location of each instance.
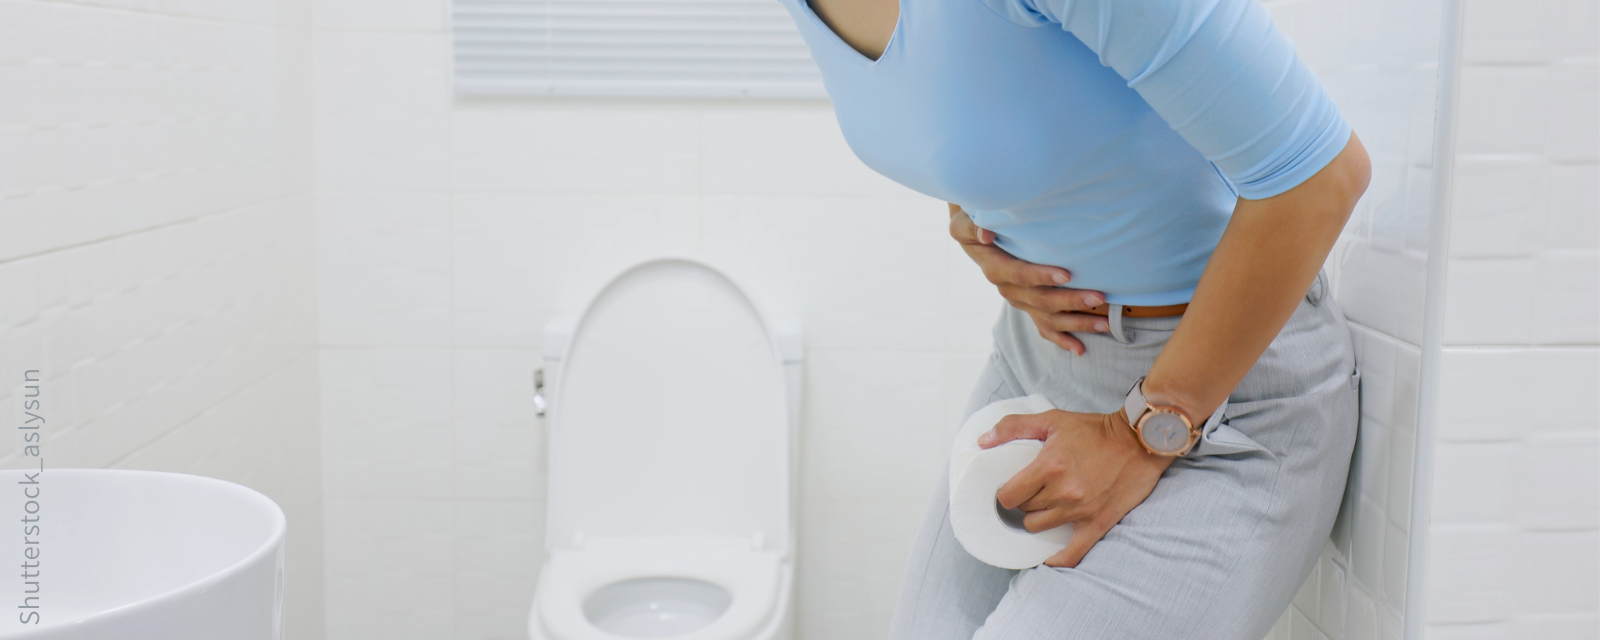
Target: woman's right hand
(1031, 287)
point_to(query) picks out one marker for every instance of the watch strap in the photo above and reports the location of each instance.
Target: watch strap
(1134, 406)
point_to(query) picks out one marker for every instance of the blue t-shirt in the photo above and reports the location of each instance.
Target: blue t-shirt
(1112, 142)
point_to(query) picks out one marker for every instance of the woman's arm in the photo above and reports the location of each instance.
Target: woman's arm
(1092, 470)
(1268, 256)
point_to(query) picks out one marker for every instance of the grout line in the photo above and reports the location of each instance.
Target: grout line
(1580, 346)
(170, 431)
(158, 227)
(148, 12)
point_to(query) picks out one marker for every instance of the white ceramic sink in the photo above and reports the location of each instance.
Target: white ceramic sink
(139, 555)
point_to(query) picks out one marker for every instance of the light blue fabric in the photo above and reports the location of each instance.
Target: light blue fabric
(1113, 146)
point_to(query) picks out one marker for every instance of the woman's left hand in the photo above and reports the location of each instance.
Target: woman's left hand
(1091, 472)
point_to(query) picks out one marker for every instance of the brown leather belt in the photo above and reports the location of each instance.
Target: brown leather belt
(1129, 311)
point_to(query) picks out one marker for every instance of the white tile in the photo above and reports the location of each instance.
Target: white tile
(1334, 598)
(497, 434)
(386, 15)
(1468, 631)
(1362, 622)
(1301, 628)
(840, 266)
(1502, 109)
(371, 72)
(386, 424)
(1566, 299)
(1471, 574)
(377, 538)
(1558, 483)
(1402, 465)
(872, 425)
(1574, 221)
(855, 553)
(384, 268)
(609, 148)
(1471, 283)
(382, 150)
(1395, 555)
(1280, 629)
(1573, 133)
(1495, 31)
(1479, 388)
(521, 259)
(1570, 23)
(1558, 627)
(1557, 572)
(1475, 483)
(1498, 209)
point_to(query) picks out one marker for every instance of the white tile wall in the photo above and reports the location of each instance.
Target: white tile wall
(155, 247)
(1514, 550)
(1380, 61)
(451, 231)
(517, 238)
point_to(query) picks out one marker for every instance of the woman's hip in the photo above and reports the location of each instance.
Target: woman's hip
(1310, 357)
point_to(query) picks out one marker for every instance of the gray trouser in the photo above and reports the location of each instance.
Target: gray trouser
(1222, 544)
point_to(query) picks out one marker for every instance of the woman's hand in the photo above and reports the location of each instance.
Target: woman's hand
(1091, 472)
(1031, 287)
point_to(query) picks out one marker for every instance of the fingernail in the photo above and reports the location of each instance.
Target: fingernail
(986, 437)
(1101, 326)
(1091, 301)
(1060, 278)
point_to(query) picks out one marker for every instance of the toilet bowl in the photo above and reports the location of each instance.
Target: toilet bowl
(686, 589)
(672, 414)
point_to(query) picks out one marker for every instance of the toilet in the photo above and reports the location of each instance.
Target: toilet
(672, 413)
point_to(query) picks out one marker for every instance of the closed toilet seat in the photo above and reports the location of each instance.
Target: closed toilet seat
(571, 576)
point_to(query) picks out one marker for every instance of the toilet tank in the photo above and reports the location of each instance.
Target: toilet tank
(673, 411)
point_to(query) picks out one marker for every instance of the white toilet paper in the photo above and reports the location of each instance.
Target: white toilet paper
(976, 474)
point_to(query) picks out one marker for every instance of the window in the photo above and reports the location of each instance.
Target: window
(690, 48)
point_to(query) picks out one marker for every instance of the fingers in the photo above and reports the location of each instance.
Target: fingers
(1020, 488)
(1064, 340)
(1044, 520)
(965, 231)
(1002, 268)
(1021, 426)
(1068, 321)
(1050, 298)
(1084, 537)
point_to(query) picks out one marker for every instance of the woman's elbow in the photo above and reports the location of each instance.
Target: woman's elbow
(1348, 175)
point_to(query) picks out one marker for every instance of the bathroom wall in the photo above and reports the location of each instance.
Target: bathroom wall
(1380, 61)
(1513, 548)
(156, 262)
(451, 230)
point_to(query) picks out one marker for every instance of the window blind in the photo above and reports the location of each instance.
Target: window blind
(690, 48)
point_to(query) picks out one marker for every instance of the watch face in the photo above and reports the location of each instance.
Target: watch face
(1165, 433)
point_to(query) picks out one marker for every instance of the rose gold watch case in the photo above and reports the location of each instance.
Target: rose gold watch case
(1150, 410)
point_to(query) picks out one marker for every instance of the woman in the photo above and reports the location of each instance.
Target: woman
(1176, 164)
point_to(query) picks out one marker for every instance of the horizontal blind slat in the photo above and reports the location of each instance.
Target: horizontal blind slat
(630, 47)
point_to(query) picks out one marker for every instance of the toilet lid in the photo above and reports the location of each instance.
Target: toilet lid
(668, 416)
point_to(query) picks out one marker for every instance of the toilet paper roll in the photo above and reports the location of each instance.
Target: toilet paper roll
(990, 533)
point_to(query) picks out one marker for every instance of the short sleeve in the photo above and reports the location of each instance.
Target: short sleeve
(1219, 72)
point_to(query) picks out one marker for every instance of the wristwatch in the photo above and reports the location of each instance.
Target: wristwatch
(1162, 431)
